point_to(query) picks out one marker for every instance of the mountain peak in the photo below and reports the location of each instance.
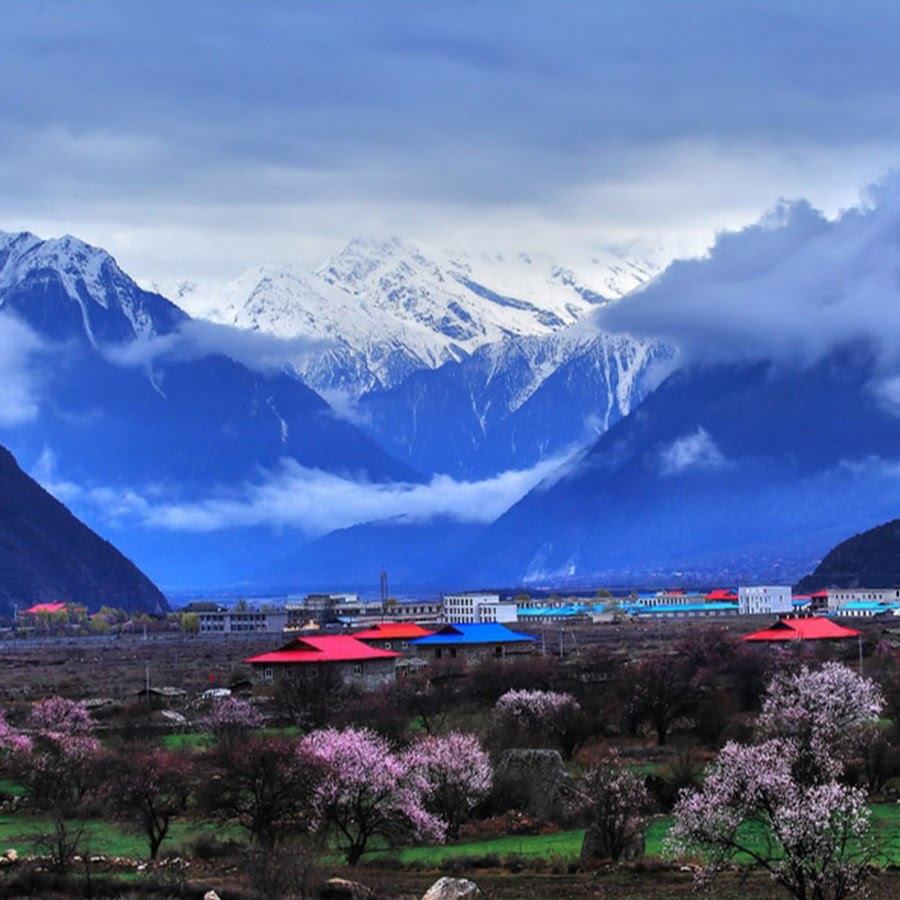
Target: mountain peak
(64, 287)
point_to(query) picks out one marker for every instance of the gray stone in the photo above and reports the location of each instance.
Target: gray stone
(534, 781)
(452, 889)
(342, 889)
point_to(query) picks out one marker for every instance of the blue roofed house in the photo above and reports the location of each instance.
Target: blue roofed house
(474, 642)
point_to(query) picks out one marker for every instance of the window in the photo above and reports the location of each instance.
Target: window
(357, 669)
(387, 645)
(267, 673)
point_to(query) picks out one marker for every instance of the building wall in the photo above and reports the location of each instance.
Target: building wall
(243, 622)
(475, 609)
(838, 597)
(367, 675)
(765, 600)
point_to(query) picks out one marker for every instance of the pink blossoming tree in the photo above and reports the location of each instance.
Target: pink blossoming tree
(780, 801)
(148, 791)
(528, 715)
(59, 771)
(615, 803)
(230, 720)
(367, 790)
(11, 740)
(456, 775)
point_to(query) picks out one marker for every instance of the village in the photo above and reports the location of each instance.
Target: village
(538, 710)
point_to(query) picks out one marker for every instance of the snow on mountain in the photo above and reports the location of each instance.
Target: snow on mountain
(74, 282)
(516, 402)
(385, 309)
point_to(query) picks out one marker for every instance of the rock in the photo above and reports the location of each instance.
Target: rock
(534, 781)
(210, 895)
(452, 889)
(342, 889)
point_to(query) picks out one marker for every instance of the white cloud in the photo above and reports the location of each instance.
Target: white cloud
(792, 288)
(19, 392)
(692, 451)
(309, 500)
(197, 338)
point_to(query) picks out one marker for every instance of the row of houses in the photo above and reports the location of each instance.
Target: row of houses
(300, 615)
(372, 657)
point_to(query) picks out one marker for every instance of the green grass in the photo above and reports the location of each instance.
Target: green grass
(191, 740)
(101, 837)
(11, 788)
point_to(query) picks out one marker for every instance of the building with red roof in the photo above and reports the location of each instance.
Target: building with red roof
(392, 635)
(722, 595)
(43, 609)
(311, 657)
(814, 628)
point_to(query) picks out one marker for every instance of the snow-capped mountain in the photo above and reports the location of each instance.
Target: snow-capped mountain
(124, 413)
(78, 290)
(380, 310)
(514, 403)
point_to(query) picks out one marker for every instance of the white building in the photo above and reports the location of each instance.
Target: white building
(479, 609)
(768, 599)
(243, 621)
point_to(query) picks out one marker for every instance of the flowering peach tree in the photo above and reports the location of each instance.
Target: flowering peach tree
(615, 803)
(148, 790)
(455, 773)
(230, 720)
(542, 715)
(780, 801)
(367, 790)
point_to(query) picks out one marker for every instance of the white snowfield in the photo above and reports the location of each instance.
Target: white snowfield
(385, 309)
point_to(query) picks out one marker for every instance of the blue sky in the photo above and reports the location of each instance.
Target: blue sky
(198, 139)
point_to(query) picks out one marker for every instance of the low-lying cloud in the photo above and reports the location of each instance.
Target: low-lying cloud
(196, 338)
(792, 288)
(692, 451)
(19, 394)
(309, 500)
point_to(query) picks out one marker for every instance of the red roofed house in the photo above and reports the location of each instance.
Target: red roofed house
(38, 608)
(392, 635)
(814, 628)
(311, 657)
(721, 595)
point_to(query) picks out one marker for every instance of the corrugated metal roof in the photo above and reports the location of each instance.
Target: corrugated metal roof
(487, 633)
(324, 648)
(815, 628)
(392, 631)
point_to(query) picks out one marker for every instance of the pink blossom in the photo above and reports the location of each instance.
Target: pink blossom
(615, 802)
(60, 716)
(455, 773)
(817, 829)
(230, 719)
(367, 790)
(10, 738)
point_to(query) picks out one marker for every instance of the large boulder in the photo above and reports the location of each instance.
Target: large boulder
(534, 781)
(452, 889)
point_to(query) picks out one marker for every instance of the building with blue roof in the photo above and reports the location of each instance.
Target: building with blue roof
(473, 642)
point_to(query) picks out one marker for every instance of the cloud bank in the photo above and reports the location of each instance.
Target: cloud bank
(201, 139)
(309, 500)
(196, 338)
(792, 288)
(19, 392)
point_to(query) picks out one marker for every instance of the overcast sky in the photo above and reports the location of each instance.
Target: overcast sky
(197, 139)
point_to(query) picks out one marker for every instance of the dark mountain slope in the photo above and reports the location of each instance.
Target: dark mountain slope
(870, 559)
(719, 467)
(46, 554)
